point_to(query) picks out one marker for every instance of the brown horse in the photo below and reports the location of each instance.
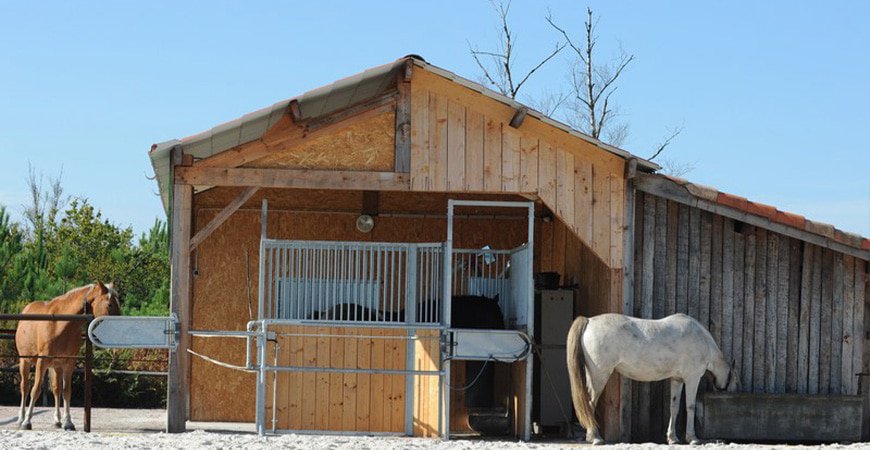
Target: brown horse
(57, 343)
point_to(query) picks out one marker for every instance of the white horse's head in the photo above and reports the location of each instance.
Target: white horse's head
(730, 382)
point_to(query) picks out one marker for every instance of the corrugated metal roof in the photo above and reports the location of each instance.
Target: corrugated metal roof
(325, 100)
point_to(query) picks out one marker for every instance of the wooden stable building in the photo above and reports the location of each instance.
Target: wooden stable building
(394, 144)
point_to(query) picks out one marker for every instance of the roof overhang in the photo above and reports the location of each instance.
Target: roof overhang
(322, 101)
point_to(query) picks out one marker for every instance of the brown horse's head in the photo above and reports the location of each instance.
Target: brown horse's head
(104, 301)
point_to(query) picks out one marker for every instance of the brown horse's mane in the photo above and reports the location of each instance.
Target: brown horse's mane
(58, 302)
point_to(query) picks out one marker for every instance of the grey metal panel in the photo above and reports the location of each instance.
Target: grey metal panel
(555, 397)
(133, 332)
(482, 345)
(557, 314)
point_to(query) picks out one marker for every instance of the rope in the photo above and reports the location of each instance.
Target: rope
(221, 363)
(474, 381)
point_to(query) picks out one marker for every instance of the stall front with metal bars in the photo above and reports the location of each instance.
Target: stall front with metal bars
(308, 288)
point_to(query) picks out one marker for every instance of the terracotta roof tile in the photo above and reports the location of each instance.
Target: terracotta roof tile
(792, 220)
(761, 209)
(734, 201)
(823, 229)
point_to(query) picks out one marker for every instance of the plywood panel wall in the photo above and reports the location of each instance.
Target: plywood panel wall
(228, 261)
(461, 141)
(365, 145)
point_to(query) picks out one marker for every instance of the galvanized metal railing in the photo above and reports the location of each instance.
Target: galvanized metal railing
(372, 282)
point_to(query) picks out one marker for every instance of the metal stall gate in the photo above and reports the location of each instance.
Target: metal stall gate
(396, 292)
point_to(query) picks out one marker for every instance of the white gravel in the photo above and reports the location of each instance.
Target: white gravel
(139, 429)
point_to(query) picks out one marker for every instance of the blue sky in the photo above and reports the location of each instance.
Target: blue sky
(772, 95)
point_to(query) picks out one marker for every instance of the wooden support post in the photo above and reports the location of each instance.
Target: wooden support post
(627, 291)
(403, 124)
(178, 382)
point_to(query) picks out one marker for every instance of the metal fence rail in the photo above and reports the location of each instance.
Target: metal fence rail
(88, 357)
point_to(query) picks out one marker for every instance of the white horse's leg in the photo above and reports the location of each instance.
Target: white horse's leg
(24, 371)
(596, 380)
(34, 393)
(691, 392)
(66, 378)
(676, 390)
(55, 389)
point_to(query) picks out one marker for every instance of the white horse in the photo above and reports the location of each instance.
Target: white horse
(675, 347)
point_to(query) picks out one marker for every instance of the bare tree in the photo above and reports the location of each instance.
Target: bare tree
(676, 168)
(593, 85)
(498, 65)
(666, 142)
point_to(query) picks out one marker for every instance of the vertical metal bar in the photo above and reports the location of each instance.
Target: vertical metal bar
(262, 282)
(261, 379)
(275, 390)
(444, 404)
(89, 376)
(530, 319)
(342, 256)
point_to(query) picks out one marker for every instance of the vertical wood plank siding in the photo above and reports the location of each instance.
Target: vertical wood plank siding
(788, 312)
(461, 142)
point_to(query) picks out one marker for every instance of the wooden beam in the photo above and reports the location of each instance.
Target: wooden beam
(295, 112)
(403, 127)
(519, 117)
(408, 70)
(662, 187)
(371, 203)
(251, 151)
(293, 178)
(179, 363)
(222, 216)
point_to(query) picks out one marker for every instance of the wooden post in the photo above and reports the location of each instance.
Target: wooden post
(178, 383)
(403, 124)
(627, 291)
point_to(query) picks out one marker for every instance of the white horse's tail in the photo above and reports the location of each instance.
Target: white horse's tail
(577, 374)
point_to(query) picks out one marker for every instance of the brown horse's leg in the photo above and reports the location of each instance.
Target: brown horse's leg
(24, 371)
(55, 388)
(66, 377)
(34, 392)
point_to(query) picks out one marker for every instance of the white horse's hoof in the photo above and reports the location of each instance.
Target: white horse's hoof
(58, 424)
(695, 441)
(69, 427)
(674, 441)
(25, 426)
(598, 441)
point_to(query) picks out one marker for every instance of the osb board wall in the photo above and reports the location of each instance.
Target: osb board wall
(220, 300)
(462, 141)
(335, 401)
(791, 314)
(365, 145)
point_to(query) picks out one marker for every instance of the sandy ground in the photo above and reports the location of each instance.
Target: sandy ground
(142, 429)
